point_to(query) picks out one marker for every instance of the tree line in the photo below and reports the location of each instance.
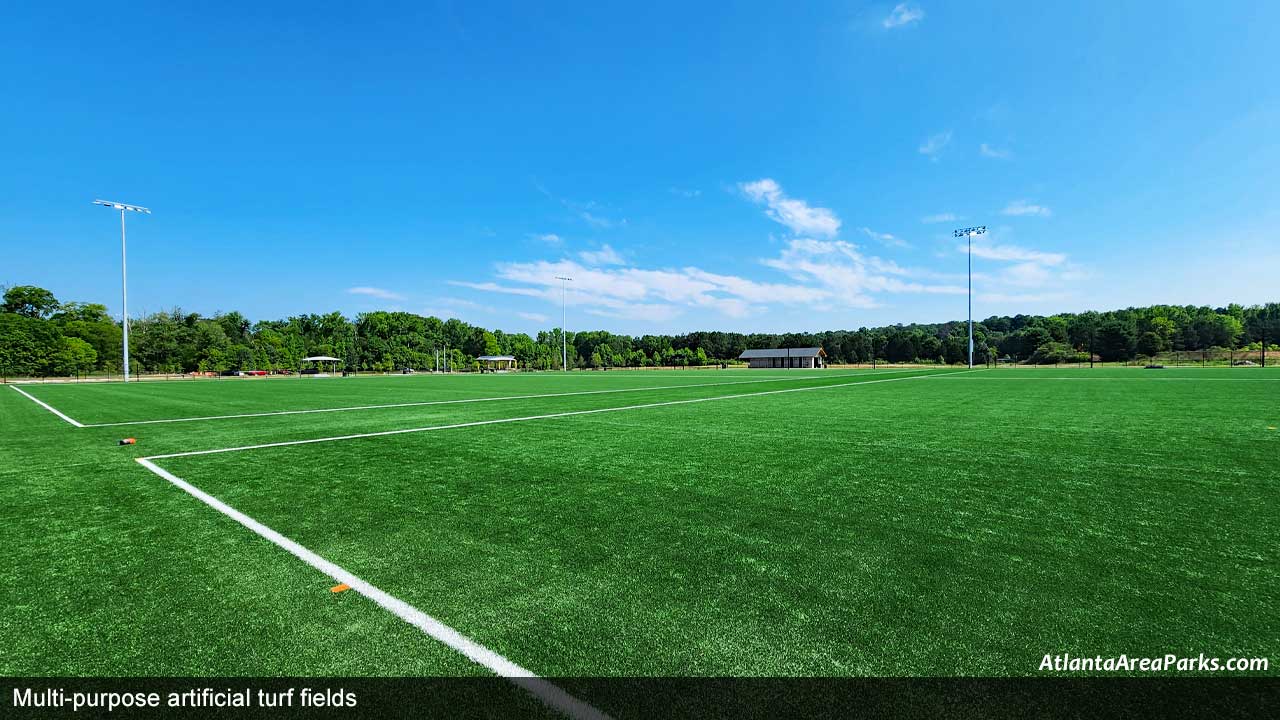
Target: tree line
(40, 336)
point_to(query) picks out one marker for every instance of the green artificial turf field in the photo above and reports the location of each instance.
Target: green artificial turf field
(882, 523)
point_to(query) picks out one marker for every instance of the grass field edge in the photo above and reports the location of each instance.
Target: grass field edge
(424, 403)
(548, 416)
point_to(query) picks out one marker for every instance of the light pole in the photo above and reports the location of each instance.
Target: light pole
(969, 232)
(124, 274)
(564, 341)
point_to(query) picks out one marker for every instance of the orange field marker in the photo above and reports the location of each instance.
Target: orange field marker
(340, 588)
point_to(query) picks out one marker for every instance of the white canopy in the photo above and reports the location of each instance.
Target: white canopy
(320, 358)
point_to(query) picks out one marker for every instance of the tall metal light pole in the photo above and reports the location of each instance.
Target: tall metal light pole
(969, 232)
(564, 341)
(124, 273)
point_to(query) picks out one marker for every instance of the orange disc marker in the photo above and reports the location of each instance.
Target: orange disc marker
(340, 588)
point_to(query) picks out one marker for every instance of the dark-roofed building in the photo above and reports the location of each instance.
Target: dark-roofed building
(814, 357)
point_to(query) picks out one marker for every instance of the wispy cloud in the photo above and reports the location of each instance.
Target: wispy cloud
(1014, 253)
(822, 272)
(469, 304)
(845, 275)
(495, 287)
(606, 255)
(794, 213)
(535, 317)
(379, 293)
(939, 218)
(1028, 276)
(903, 14)
(1021, 298)
(885, 238)
(548, 238)
(590, 212)
(596, 221)
(685, 193)
(993, 152)
(934, 144)
(833, 273)
(1024, 208)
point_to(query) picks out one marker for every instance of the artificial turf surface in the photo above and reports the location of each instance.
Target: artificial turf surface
(961, 524)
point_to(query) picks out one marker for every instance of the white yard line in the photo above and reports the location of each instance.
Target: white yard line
(528, 418)
(1132, 379)
(544, 690)
(463, 401)
(48, 407)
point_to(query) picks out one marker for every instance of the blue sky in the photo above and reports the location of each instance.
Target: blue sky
(746, 166)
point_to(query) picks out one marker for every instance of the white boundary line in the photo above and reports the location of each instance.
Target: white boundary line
(544, 690)
(1134, 379)
(274, 413)
(48, 407)
(527, 418)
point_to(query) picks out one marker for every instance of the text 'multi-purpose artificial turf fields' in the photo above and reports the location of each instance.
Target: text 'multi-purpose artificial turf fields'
(759, 523)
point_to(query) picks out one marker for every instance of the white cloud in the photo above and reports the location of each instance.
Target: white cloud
(535, 317)
(582, 209)
(824, 273)
(596, 220)
(991, 152)
(1026, 274)
(791, 212)
(885, 238)
(1023, 208)
(1021, 298)
(379, 293)
(494, 287)
(939, 218)
(469, 304)
(1013, 253)
(548, 238)
(844, 274)
(606, 255)
(903, 14)
(1030, 276)
(934, 144)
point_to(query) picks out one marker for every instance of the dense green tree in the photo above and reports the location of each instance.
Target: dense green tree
(1150, 343)
(29, 301)
(27, 345)
(73, 357)
(35, 335)
(1116, 340)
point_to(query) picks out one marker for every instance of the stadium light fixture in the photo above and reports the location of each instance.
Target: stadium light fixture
(564, 341)
(124, 274)
(969, 232)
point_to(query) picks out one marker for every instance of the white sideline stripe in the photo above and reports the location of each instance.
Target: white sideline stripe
(466, 400)
(47, 406)
(545, 691)
(528, 418)
(1134, 379)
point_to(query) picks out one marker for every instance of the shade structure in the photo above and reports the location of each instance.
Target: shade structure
(323, 359)
(497, 363)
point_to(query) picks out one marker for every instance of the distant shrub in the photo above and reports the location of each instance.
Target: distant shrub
(1053, 353)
